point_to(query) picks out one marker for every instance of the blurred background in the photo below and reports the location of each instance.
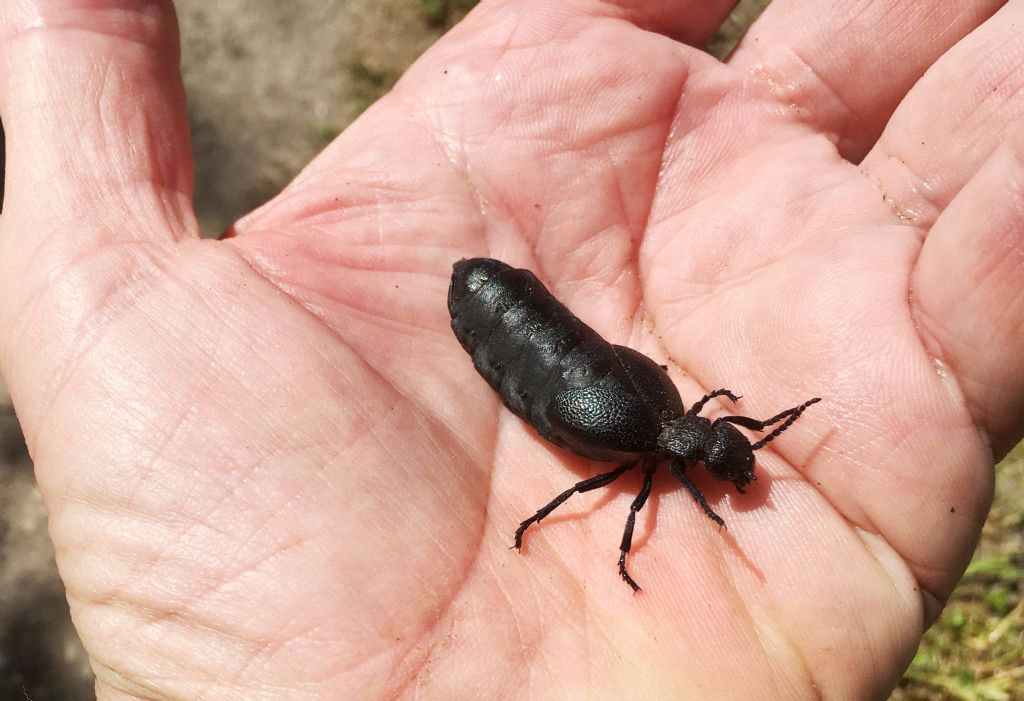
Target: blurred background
(269, 85)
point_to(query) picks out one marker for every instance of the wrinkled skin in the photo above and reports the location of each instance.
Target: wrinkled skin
(272, 473)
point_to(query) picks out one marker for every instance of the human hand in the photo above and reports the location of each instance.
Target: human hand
(272, 473)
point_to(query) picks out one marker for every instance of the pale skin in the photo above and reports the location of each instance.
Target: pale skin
(272, 473)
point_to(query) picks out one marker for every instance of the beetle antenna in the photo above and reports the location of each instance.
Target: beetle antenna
(793, 415)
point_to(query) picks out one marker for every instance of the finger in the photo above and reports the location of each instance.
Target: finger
(953, 120)
(968, 293)
(94, 111)
(843, 67)
(97, 157)
(692, 22)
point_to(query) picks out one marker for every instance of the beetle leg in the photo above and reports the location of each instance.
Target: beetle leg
(695, 409)
(627, 535)
(694, 490)
(584, 486)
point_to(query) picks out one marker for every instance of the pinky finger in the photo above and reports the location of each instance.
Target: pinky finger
(968, 293)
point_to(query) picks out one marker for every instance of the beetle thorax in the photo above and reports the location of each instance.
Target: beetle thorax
(685, 437)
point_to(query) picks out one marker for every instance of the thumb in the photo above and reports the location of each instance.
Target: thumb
(98, 159)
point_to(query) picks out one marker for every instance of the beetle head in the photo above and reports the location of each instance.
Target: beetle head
(728, 456)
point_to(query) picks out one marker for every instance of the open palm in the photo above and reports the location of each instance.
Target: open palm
(271, 471)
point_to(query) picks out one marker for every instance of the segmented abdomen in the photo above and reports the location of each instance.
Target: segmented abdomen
(523, 340)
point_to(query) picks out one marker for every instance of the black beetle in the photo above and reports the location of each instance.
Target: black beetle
(599, 400)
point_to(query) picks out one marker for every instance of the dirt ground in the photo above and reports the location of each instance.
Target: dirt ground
(269, 84)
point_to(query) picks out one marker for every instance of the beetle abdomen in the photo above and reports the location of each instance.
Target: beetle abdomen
(601, 401)
(515, 330)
